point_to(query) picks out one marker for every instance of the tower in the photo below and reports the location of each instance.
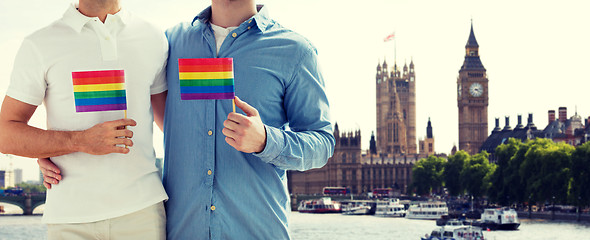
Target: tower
(427, 145)
(396, 109)
(472, 99)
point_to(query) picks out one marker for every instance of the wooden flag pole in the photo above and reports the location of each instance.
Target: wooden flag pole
(233, 103)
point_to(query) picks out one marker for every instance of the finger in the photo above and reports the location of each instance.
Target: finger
(229, 133)
(122, 123)
(47, 185)
(123, 141)
(249, 110)
(230, 124)
(231, 142)
(117, 149)
(124, 133)
(238, 118)
(47, 164)
(50, 180)
(51, 175)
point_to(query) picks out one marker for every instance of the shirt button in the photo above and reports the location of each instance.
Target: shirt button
(250, 21)
(212, 208)
(209, 172)
(248, 27)
(210, 132)
(234, 34)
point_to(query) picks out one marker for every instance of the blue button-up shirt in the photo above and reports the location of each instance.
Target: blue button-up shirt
(215, 191)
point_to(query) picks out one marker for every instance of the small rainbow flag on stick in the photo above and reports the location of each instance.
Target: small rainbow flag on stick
(96, 91)
(206, 78)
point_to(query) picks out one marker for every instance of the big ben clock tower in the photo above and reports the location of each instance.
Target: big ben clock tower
(472, 99)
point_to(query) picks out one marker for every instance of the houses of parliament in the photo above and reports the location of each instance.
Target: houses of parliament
(393, 150)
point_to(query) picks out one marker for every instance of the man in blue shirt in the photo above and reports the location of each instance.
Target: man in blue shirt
(224, 172)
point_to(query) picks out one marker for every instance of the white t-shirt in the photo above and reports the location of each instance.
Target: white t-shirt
(220, 34)
(94, 187)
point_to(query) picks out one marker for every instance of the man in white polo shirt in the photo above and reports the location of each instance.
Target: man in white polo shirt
(111, 188)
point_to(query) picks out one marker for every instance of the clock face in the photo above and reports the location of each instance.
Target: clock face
(476, 90)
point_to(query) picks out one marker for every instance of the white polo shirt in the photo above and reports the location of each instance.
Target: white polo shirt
(95, 188)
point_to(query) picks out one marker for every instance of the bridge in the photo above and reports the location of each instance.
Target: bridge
(26, 202)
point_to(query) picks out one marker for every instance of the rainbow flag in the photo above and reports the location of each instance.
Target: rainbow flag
(96, 91)
(206, 78)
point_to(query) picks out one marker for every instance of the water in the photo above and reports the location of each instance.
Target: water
(305, 226)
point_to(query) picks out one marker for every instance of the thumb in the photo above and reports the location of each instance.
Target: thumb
(249, 110)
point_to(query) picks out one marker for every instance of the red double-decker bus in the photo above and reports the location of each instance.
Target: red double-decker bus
(382, 192)
(336, 191)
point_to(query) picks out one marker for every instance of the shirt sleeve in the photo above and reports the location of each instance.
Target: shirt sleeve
(159, 84)
(27, 82)
(309, 141)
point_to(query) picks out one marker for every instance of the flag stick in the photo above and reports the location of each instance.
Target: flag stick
(233, 103)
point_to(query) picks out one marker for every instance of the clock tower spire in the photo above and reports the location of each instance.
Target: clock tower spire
(472, 99)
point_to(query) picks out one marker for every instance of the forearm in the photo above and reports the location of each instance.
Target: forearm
(301, 151)
(20, 139)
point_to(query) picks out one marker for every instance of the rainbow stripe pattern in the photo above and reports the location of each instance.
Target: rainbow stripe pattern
(206, 78)
(96, 91)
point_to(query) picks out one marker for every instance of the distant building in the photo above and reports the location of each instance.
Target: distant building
(360, 171)
(2, 179)
(573, 131)
(427, 145)
(18, 176)
(9, 178)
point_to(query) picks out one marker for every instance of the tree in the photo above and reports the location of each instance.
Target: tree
(545, 170)
(452, 173)
(32, 188)
(579, 190)
(505, 180)
(427, 174)
(474, 171)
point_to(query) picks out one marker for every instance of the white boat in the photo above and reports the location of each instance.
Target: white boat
(455, 232)
(427, 210)
(356, 208)
(390, 208)
(323, 205)
(499, 218)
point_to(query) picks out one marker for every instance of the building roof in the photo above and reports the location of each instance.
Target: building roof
(472, 62)
(471, 42)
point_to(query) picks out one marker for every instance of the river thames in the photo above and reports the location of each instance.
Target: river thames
(305, 226)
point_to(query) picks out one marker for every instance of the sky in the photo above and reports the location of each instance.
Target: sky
(535, 52)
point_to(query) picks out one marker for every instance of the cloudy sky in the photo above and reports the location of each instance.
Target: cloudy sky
(536, 53)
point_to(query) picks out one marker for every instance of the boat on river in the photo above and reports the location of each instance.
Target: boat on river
(498, 219)
(322, 205)
(358, 207)
(427, 210)
(455, 231)
(390, 208)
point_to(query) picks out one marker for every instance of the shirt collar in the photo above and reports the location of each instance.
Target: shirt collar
(76, 20)
(260, 19)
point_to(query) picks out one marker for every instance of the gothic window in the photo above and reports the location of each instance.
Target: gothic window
(343, 176)
(353, 158)
(344, 158)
